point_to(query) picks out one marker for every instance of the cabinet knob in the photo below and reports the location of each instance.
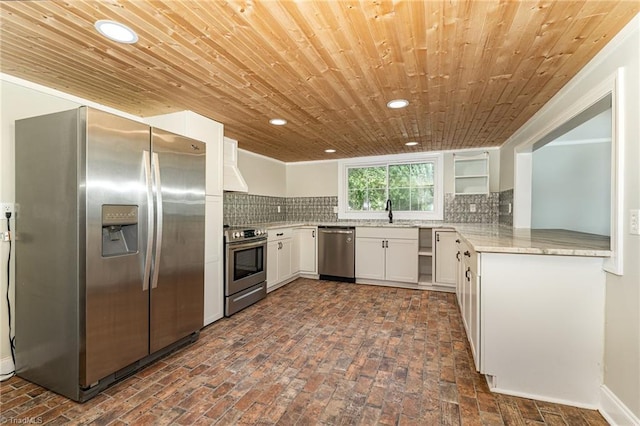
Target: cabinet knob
(280, 234)
(313, 234)
(466, 253)
(466, 274)
(457, 240)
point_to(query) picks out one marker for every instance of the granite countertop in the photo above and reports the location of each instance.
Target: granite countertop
(505, 239)
(494, 238)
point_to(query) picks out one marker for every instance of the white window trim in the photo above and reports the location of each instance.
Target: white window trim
(383, 160)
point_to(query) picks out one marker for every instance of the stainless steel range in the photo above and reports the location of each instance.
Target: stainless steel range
(245, 268)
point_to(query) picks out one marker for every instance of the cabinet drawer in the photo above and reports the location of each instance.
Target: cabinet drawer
(279, 234)
(387, 233)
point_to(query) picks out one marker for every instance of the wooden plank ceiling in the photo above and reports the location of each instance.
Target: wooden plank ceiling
(473, 71)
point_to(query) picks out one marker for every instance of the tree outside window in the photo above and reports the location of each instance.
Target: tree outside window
(410, 187)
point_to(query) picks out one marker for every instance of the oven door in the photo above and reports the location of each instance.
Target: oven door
(246, 265)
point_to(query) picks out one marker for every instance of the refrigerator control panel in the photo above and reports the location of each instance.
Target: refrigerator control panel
(119, 215)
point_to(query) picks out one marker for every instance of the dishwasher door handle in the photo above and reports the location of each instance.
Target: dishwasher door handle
(335, 231)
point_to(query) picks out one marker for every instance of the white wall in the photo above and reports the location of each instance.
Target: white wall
(320, 178)
(16, 102)
(571, 187)
(622, 312)
(264, 175)
(312, 179)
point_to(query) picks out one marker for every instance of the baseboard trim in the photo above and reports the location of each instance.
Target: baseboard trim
(614, 411)
(544, 398)
(6, 365)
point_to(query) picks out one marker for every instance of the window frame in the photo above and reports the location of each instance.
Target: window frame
(386, 160)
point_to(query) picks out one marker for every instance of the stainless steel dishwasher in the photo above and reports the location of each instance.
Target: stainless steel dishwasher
(336, 253)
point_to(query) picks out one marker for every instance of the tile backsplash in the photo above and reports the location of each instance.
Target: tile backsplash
(458, 208)
(506, 207)
(241, 209)
(315, 209)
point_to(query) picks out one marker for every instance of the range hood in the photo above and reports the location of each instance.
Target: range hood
(232, 178)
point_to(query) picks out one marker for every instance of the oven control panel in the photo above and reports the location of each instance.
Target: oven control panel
(236, 235)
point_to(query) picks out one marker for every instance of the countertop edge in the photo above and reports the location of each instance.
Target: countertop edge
(472, 240)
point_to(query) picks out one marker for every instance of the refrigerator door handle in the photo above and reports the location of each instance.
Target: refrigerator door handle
(147, 260)
(158, 190)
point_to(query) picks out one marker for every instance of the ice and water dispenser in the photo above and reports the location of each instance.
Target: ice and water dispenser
(119, 230)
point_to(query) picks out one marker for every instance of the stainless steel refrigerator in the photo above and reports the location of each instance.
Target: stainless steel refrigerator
(109, 248)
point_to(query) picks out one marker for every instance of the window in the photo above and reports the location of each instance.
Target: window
(412, 183)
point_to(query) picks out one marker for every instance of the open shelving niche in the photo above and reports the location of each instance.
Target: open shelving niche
(471, 173)
(425, 256)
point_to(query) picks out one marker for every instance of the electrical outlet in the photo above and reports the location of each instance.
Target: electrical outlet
(634, 226)
(6, 208)
(335, 209)
(278, 209)
(472, 208)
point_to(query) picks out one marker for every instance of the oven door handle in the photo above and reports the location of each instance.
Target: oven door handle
(233, 247)
(248, 294)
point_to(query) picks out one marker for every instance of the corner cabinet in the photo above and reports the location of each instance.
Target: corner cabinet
(305, 250)
(387, 254)
(471, 173)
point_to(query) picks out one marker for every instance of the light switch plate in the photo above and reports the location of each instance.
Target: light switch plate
(472, 208)
(634, 218)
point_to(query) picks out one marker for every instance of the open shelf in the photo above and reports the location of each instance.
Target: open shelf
(471, 174)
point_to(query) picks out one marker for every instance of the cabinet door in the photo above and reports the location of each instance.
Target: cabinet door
(402, 260)
(296, 250)
(474, 316)
(284, 259)
(213, 260)
(272, 263)
(445, 257)
(370, 258)
(308, 256)
(459, 274)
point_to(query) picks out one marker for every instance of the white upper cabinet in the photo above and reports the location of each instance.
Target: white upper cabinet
(471, 173)
(195, 126)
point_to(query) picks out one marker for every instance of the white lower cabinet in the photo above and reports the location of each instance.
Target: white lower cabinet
(471, 300)
(534, 322)
(305, 250)
(279, 260)
(387, 254)
(370, 258)
(445, 263)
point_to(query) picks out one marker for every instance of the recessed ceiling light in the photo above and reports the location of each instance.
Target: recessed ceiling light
(278, 121)
(116, 31)
(397, 103)
(329, 151)
(411, 143)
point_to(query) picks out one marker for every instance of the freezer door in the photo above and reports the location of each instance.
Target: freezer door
(177, 280)
(117, 298)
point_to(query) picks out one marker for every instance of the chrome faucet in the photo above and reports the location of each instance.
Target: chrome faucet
(389, 209)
